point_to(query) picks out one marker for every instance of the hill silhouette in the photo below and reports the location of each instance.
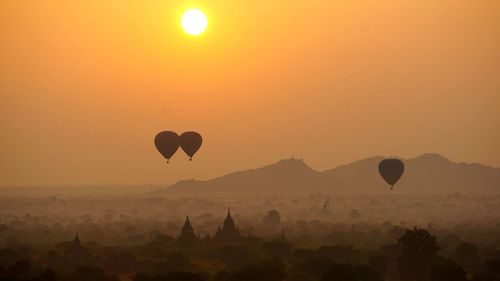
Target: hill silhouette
(427, 173)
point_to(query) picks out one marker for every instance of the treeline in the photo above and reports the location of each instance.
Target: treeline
(414, 256)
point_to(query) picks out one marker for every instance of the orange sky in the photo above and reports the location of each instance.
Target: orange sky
(86, 85)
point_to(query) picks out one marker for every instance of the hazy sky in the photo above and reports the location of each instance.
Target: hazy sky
(86, 85)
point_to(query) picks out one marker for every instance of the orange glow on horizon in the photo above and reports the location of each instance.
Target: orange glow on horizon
(86, 85)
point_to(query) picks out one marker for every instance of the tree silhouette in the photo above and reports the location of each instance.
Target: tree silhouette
(300, 276)
(234, 256)
(267, 270)
(302, 254)
(418, 251)
(339, 253)
(8, 256)
(465, 253)
(273, 217)
(492, 272)
(467, 256)
(379, 264)
(347, 272)
(172, 276)
(47, 275)
(19, 269)
(179, 262)
(313, 266)
(276, 248)
(447, 270)
(89, 273)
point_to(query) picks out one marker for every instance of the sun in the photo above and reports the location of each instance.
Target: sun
(194, 22)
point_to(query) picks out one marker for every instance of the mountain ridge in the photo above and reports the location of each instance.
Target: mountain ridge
(426, 173)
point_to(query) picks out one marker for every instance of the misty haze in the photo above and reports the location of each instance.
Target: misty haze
(195, 140)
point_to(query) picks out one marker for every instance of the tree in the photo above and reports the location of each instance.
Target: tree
(22, 269)
(447, 270)
(355, 214)
(89, 273)
(347, 272)
(273, 217)
(174, 262)
(47, 275)
(179, 262)
(340, 253)
(314, 266)
(233, 256)
(492, 272)
(378, 263)
(300, 276)
(122, 263)
(164, 238)
(276, 248)
(266, 270)
(418, 251)
(8, 256)
(172, 276)
(467, 255)
(302, 254)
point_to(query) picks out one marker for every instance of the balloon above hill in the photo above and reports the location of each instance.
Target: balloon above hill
(190, 142)
(391, 170)
(167, 143)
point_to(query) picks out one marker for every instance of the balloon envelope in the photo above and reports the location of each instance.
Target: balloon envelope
(167, 143)
(391, 170)
(190, 143)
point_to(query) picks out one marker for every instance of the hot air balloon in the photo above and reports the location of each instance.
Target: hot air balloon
(391, 170)
(167, 143)
(190, 142)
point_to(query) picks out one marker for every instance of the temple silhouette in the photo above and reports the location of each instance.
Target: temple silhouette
(76, 253)
(228, 233)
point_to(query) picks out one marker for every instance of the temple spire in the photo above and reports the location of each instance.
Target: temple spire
(76, 241)
(229, 231)
(187, 232)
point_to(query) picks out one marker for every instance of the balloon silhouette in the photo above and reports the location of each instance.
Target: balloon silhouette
(190, 143)
(391, 170)
(167, 143)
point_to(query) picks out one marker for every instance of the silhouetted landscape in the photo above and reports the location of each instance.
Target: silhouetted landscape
(197, 140)
(282, 222)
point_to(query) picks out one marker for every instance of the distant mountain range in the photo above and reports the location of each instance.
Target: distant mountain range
(427, 173)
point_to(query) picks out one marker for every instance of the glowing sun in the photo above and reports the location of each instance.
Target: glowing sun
(194, 22)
